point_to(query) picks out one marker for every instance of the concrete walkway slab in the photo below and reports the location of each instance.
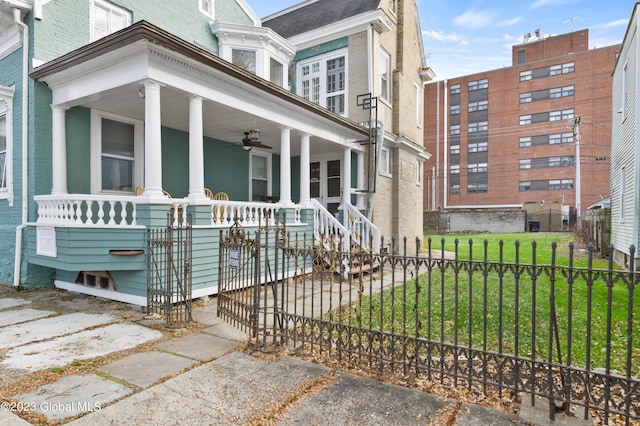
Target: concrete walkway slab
(144, 368)
(83, 345)
(233, 390)
(18, 316)
(472, 415)
(72, 395)
(48, 328)
(227, 331)
(12, 303)
(354, 400)
(7, 418)
(538, 414)
(201, 347)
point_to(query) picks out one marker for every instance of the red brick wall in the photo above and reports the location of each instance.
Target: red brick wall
(591, 102)
(552, 47)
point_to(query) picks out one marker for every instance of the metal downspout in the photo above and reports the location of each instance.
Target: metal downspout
(25, 151)
(380, 136)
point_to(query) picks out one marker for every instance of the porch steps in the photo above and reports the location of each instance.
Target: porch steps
(362, 262)
(366, 267)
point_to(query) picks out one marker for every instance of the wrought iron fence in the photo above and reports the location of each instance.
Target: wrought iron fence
(169, 257)
(557, 330)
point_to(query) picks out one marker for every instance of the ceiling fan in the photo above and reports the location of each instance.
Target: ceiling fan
(250, 140)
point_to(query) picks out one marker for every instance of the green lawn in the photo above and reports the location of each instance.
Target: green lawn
(507, 308)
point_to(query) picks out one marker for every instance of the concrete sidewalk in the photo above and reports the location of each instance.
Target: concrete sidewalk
(200, 378)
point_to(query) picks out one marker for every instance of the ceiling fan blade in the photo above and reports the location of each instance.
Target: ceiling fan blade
(259, 144)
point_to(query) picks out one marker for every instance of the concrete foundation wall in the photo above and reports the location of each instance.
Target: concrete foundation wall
(475, 221)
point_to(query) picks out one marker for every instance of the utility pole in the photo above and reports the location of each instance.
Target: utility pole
(576, 134)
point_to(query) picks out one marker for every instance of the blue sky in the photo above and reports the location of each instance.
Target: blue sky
(464, 37)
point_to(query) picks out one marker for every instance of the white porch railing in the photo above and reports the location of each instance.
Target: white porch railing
(327, 229)
(89, 210)
(363, 232)
(224, 213)
(86, 210)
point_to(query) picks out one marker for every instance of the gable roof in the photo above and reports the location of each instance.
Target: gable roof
(315, 14)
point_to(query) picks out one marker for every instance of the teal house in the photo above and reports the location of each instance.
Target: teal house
(117, 115)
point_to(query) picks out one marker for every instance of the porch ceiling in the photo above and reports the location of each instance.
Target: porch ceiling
(219, 121)
(109, 76)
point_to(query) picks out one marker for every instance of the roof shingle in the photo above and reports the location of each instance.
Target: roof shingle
(318, 14)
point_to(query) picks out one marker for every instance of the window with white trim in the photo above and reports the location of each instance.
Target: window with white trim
(525, 119)
(568, 67)
(385, 161)
(206, 7)
(454, 149)
(623, 189)
(385, 76)
(322, 80)
(477, 147)
(6, 144)
(557, 138)
(276, 72)
(3, 153)
(561, 115)
(481, 126)
(625, 95)
(245, 59)
(107, 18)
(455, 89)
(477, 187)
(117, 161)
(455, 109)
(260, 176)
(524, 186)
(418, 172)
(477, 168)
(561, 184)
(454, 129)
(525, 141)
(454, 169)
(478, 84)
(525, 164)
(555, 69)
(478, 106)
(525, 75)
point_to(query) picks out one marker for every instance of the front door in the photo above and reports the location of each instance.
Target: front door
(325, 184)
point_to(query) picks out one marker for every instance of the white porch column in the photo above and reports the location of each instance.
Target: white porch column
(360, 181)
(196, 151)
(346, 175)
(285, 166)
(59, 150)
(305, 171)
(152, 140)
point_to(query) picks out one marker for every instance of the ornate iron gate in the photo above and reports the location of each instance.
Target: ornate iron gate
(238, 279)
(169, 272)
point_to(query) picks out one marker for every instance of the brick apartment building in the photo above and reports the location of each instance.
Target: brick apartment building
(507, 138)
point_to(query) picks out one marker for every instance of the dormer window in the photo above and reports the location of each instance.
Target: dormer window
(245, 59)
(276, 72)
(206, 7)
(258, 50)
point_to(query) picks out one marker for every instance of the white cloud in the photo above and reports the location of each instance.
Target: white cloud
(440, 36)
(474, 19)
(541, 3)
(509, 22)
(612, 24)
